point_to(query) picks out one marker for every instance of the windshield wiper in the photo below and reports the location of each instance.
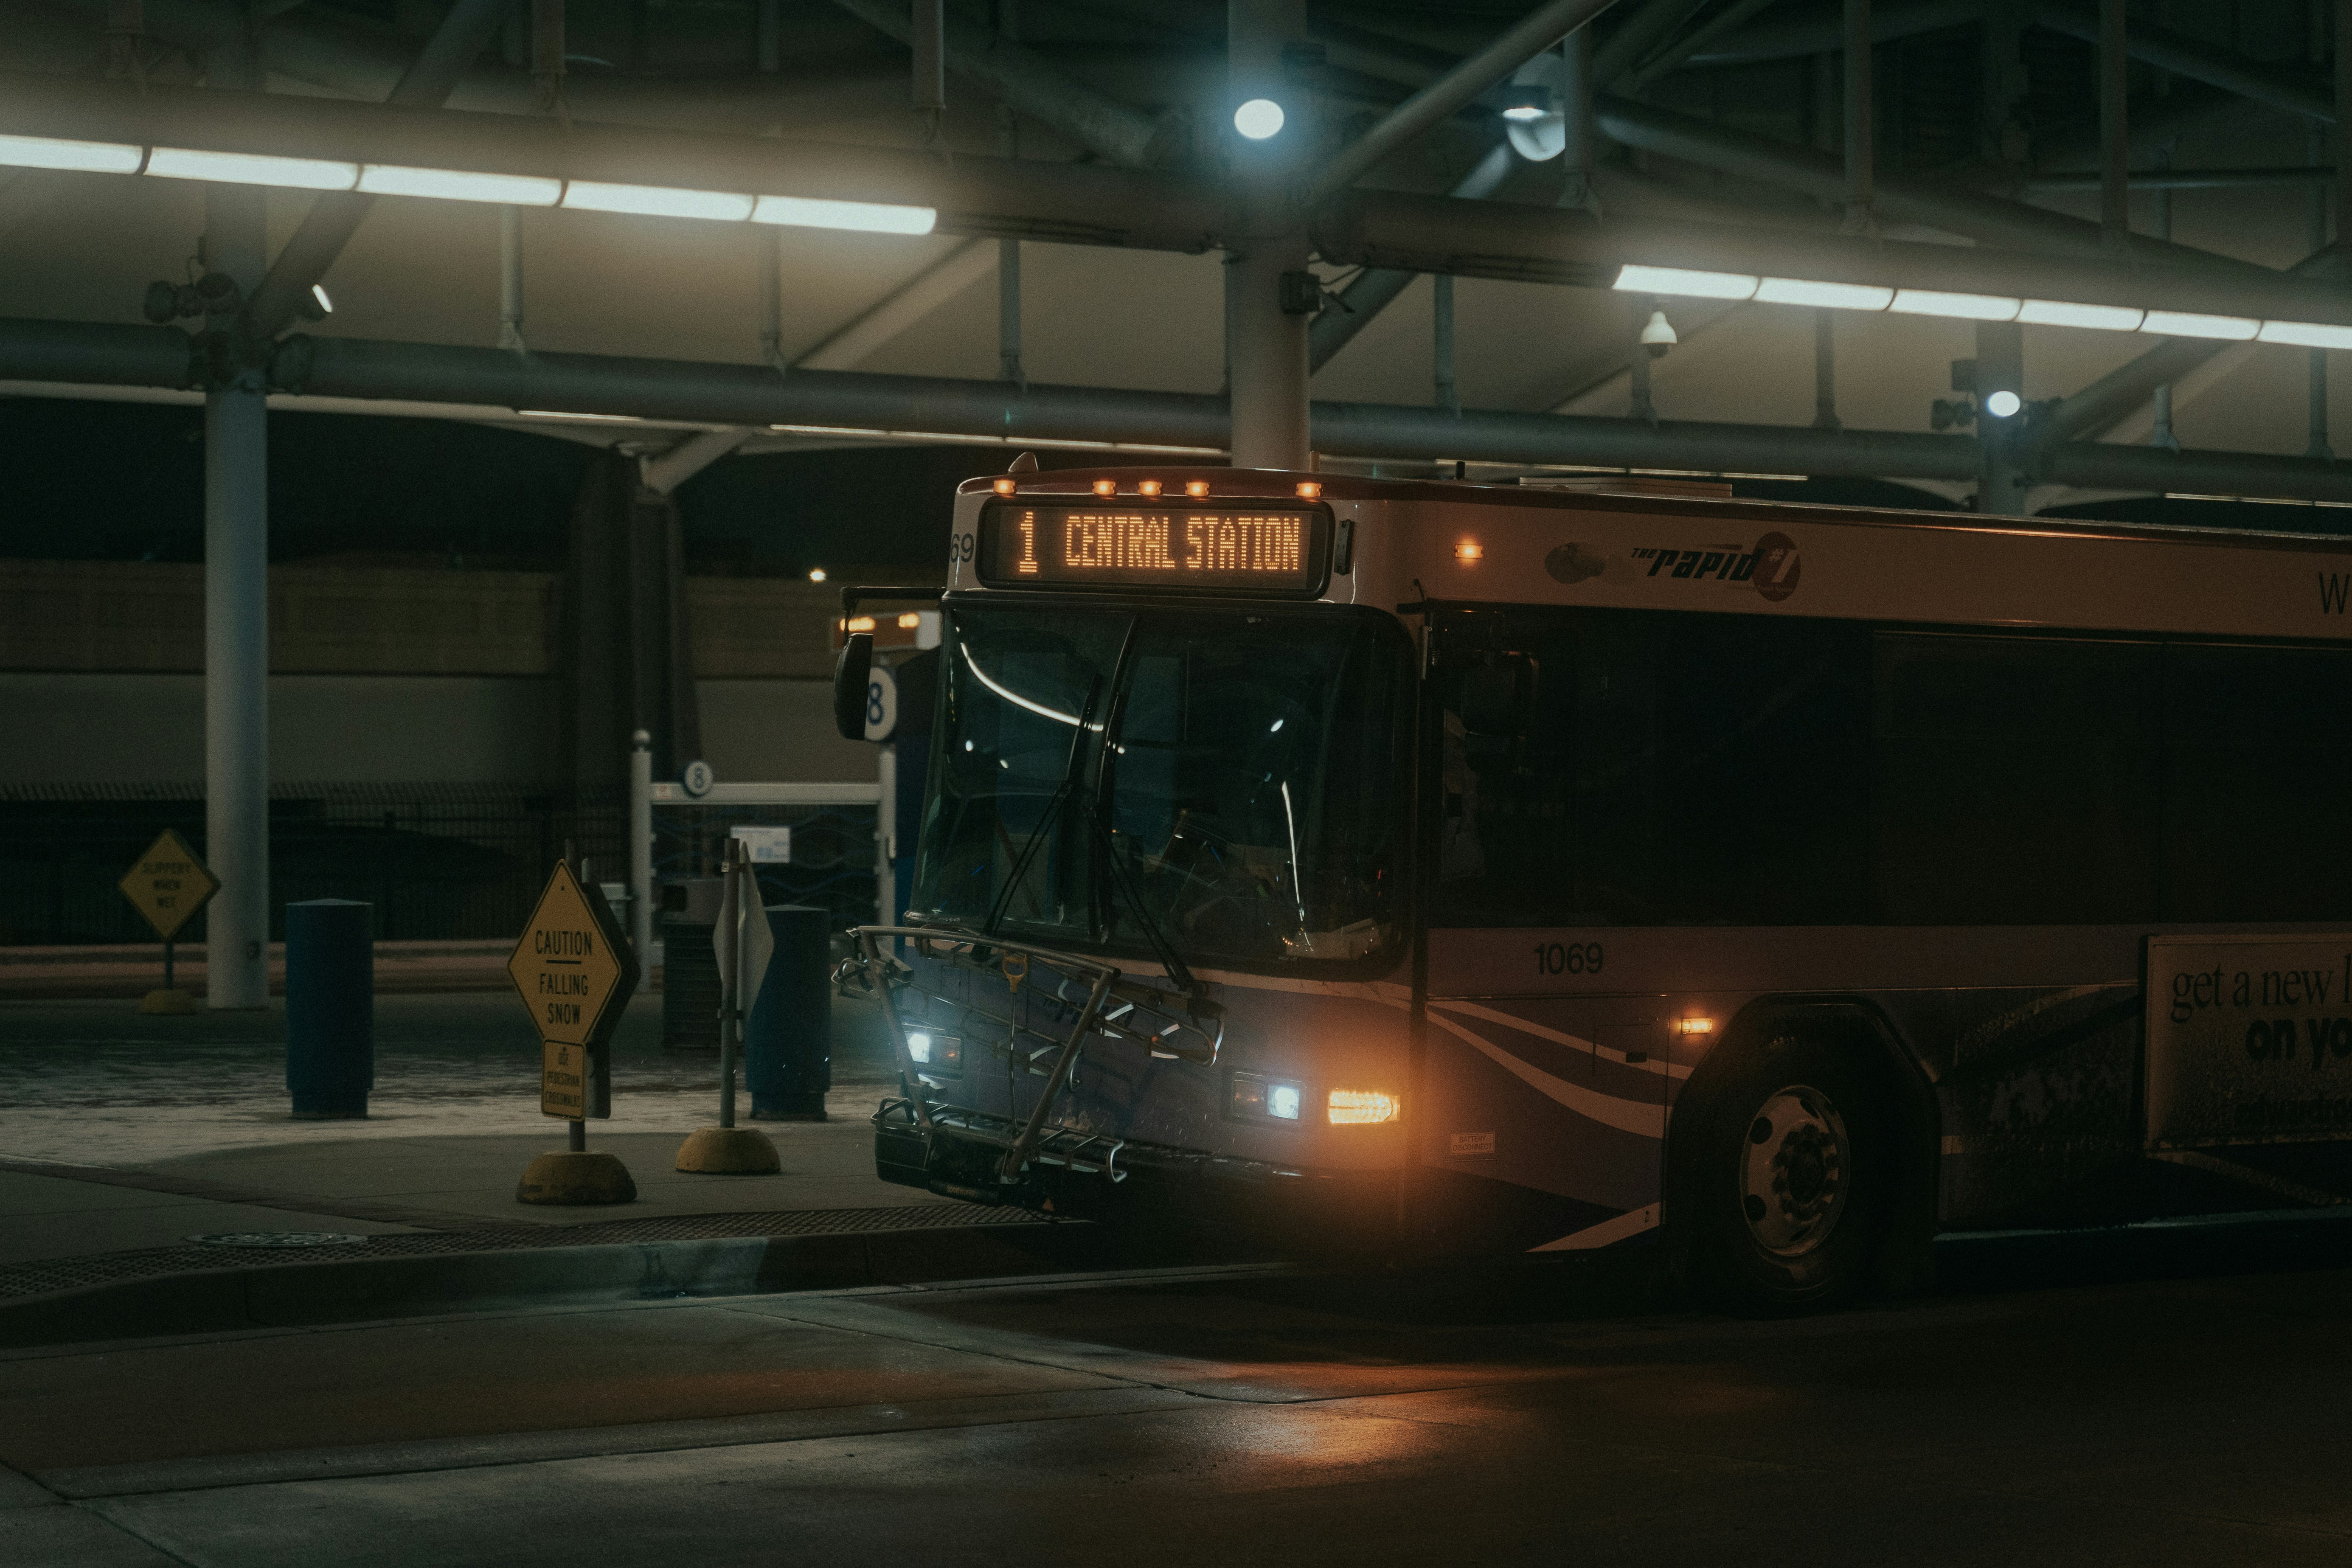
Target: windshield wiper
(1054, 804)
(1122, 877)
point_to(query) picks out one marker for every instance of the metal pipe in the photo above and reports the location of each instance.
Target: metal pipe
(1008, 269)
(2115, 130)
(2160, 428)
(1639, 404)
(511, 279)
(1675, 55)
(755, 395)
(2169, 179)
(1576, 150)
(1821, 33)
(1038, 89)
(2198, 61)
(1375, 289)
(1266, 260)
(2001, 475)
(641, 851)
(1861, 132)
(465, 30)
(2342, 105)
(1531, 36)
(1635, 36)
(1442, 343)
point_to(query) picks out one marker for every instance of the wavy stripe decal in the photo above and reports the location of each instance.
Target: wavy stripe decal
(1632, 1222)
(1633, 1116)
(1666, 1068)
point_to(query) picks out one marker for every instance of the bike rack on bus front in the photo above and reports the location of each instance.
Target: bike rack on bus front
(882, 973)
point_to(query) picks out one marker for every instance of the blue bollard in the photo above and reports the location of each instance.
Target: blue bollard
(788, 1038)
(329, 1008)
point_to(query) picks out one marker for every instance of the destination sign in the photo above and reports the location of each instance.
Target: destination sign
(1119, 544)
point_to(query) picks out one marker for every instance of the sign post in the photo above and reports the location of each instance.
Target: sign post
(743, 944)
(168, 886)
(575, 971)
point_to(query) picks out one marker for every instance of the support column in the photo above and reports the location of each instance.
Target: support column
(2002, 481)
(2317, 359)
(1266, 344)
(1637, 360)
(2160, 433)
(236, 631)
(1008, 269)
(1576, 155)
(511, 279)
(771, 300)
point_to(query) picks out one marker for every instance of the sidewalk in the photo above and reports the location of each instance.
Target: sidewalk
(126, 1140)
(133, 969)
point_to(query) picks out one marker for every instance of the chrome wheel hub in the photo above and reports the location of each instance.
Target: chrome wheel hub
(1793, 1171)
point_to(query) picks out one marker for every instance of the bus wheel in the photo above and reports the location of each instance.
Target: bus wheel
(1792, 1181)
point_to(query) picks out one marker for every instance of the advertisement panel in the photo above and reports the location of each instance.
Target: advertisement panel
(2249, 1039)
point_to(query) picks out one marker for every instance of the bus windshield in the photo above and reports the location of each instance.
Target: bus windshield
(1228, 782)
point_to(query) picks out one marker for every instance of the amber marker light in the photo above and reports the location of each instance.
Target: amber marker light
(1106, 487)
(1150, 487)
(1196, 488)
(1309, 490)
(1469, 553)
(1697, 1026)
(1361, 1107)
(1006, 487)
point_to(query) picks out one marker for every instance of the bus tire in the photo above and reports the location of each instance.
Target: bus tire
(1792, 1178)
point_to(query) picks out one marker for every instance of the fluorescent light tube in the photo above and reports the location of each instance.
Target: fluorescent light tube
(2308, 334)
(867, 217)
(2190, 324)
(2058, 313)
(656, 201)
(253, 169)
(84, 157)
(458, 185)
(1833, 296)
(1962, 306)
(1683, 280)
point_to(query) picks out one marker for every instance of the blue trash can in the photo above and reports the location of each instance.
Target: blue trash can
(788, 1038)
(329, 1008)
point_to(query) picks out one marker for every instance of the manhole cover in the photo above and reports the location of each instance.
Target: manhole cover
(276, 1238)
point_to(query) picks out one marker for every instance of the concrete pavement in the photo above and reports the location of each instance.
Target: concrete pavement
(1520, 1414)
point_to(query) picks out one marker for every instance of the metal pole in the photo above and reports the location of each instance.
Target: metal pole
(167, 963)
(236, 632)
(1860, 173)
(2114, 131)
(929, 92)
(1447, 398)
(2343, 119)
(885, 833)
(1637, 363)
(730, 1031)
(2317, 359)
(511, 279)
(1266, 345)
(1825, 414)
(1576, 118)
(576, 1130)
(641, 847)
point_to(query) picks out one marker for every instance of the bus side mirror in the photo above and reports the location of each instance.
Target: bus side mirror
(851, 674)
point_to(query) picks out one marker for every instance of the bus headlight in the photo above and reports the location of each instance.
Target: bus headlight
(1361, 1107)
(941, 1053)
(1269, 1099)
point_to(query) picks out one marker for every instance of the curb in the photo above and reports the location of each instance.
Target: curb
(356, 1290)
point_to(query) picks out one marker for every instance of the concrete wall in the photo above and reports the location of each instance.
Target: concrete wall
(77, 728)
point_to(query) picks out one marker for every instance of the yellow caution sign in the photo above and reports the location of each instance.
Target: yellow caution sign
(169, 884)
(575, 972)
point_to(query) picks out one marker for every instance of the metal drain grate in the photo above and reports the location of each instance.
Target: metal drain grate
(161, 1262)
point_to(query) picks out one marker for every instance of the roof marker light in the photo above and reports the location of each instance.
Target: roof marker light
(1196, 488)
(1149, 487)
(1006, 487)
(1309, 490)
(1106, 487)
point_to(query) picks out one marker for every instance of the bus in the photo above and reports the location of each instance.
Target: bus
(1558, 867)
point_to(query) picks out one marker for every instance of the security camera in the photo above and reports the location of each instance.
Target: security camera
(1658, 336)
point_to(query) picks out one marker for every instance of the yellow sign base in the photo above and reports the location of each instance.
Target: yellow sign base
(728, 1151)
(563, 1176)
(168, 1003)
